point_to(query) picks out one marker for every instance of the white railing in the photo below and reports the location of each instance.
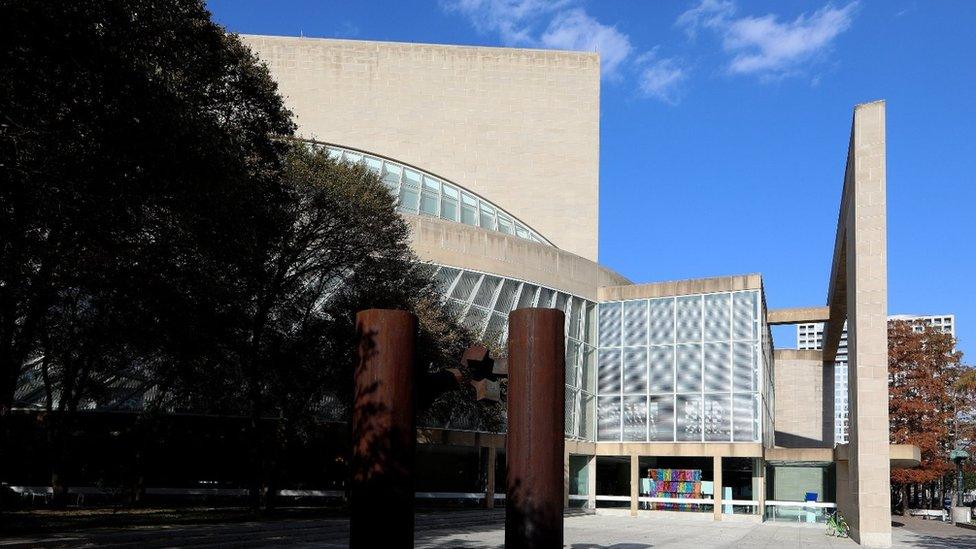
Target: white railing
(454, 495)
(810, 504)
(45, 491)
(810, 512)
(690, 501)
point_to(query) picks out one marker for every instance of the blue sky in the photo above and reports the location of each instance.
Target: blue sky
(725, 123)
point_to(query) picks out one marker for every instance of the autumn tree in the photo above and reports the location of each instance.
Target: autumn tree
(923, 367)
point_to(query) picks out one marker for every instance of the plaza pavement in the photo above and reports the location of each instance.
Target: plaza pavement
(484, 529)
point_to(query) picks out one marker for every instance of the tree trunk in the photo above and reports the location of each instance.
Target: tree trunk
(904, 500)
(57, 434)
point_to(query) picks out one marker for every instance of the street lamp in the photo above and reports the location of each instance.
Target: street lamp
(958, 455)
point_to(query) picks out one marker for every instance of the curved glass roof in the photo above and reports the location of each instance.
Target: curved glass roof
(422, 193)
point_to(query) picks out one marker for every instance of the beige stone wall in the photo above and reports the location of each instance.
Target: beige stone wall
(859, 294)
(519, 127)
(804, 403)
(865, 223)
(456, 245)
(681, 287)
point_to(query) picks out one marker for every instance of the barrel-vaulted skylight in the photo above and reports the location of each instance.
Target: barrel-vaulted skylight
(422, 193)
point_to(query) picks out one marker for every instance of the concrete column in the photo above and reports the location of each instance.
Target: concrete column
(535, 443)
(759, 485)
(867, 321)
(384, 435)
(634, 484)
(490, 478)
(843, 491)
(566, 473)
(591, 483)
(717, 477)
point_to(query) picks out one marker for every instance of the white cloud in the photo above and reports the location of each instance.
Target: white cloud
(708, 14)
(511, 19)
(547, 24)
(765, 45)
(575, 30)
(661, 78)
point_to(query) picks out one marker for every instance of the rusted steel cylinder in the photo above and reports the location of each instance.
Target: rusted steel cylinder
(534, 445)
(384, 434)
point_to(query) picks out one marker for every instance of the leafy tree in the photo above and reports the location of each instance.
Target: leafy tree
(340, 248)
(136, 140)
(138, 173)
(923, 367)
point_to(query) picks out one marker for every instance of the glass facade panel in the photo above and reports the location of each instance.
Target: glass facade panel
(718, 368)
(718, 418)
(495, 331)
(717, 317)
(469, 210)
(743, 367)
(572, 363)
(744, 311)
(587, 414)
(570, 406)
(635, 371)
(545, 297)
(661, 322)
(660, 418)
(609, 381)
(688, 367)
(610, 324)
(635, 418)
(449, 204)
(588, 370)
(505, 225)
(391, 175)
(689, 418)
(608, 411)
(661, 366)
(408, 199)
(689, 319)
(506, 296)
(428, 203)
(465, 285)
(745, 414)
(475, 318)
(374, 164)
(527, 297)
(575, 315)
(487, 217)
(444, 278)
(486, 292)
(635, 323)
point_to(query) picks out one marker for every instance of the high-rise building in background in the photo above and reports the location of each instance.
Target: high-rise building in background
(810, 337)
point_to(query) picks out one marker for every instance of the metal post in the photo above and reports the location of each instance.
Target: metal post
(959, 495)
(717, 482)
(535, 445)
(490, 481)
(384, 433)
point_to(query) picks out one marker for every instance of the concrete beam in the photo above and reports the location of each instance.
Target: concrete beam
(797, 315)
(665, 449)
(680, 287)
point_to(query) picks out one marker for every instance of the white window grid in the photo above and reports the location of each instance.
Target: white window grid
(762, 413)
(580, 314)
(421, 193)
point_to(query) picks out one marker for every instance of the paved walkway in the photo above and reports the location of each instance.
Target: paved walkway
(482, 530)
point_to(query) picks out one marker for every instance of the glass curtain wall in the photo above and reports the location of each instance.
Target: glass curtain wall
(685, 368)
(483, 302)
(421, 193)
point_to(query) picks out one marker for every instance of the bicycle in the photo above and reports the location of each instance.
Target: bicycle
(837, 526)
